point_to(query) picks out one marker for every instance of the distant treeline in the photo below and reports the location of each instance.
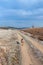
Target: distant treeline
(7, 28)
(12, 28)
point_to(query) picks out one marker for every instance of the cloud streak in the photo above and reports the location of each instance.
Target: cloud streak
(21, 10)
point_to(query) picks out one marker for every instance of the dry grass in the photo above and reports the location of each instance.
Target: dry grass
(36, 32)
(9, 49)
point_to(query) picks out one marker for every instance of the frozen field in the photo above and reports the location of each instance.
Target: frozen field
(9, 50)
(13, 51)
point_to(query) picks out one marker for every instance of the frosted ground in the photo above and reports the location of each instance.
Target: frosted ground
(9, 50)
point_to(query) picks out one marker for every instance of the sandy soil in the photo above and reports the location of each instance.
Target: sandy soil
(8, 39)
(8, 47)
(33, 42)
(27, 55)
(26, 60)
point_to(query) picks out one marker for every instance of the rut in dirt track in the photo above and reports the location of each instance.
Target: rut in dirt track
(27, 56)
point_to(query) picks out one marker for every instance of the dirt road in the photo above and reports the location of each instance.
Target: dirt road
(27, 55)
(23, 51)
(26, 60)
(33, 42)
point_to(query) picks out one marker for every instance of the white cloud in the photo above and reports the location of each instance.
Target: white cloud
(37, 13)
(28, 2)
(12, 12)
(40, 17)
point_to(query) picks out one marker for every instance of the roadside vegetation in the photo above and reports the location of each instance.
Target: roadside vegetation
(35, 32)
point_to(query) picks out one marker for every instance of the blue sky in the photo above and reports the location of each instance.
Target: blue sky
(21, 13)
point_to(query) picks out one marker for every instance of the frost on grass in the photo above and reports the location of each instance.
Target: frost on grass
(9, 49)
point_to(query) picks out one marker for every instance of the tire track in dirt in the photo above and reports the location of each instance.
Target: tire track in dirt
(26, 50)
(26, 60)
(33, 42)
